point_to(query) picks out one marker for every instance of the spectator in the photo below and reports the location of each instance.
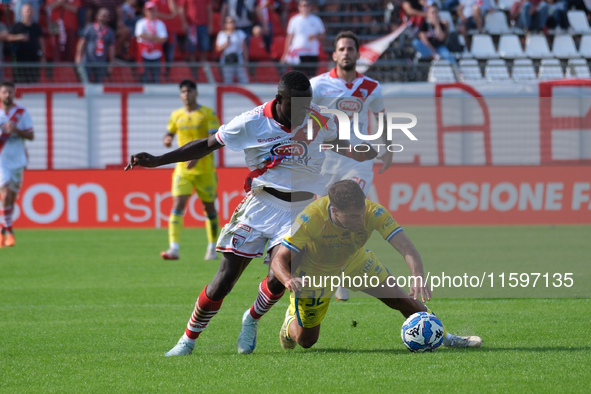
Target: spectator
(30, 46)
(63, 28)
(36, 4)
(433, 33)
(557, 17)
(166, 11)
(302, 44)
(415, 11)
(151, 35)
(243, 12)
(264, 8)
(530, 15)
(231, 44)
(471, 14)
(197, 19)
(4, 36)
(449, 5)
(115, 7)
(131, 13)
(97, 44)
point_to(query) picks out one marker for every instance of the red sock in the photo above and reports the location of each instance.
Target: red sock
(265, 300)
(6, 217)
(205, 310)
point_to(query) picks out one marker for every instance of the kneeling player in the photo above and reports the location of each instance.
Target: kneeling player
(330, 234)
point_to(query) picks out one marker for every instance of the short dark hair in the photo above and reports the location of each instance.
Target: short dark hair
(347, 34)
(346, 194)
(294, 80)
(8, 84)
(187, 83)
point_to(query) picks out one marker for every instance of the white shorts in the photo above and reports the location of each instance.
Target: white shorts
(12, 178)
(337, 168)
(260, 219)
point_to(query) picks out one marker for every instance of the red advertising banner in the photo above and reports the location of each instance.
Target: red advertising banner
(415, 196)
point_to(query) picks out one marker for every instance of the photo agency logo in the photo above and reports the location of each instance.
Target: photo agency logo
(348, 117)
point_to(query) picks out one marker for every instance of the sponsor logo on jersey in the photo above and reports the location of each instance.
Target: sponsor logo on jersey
(304, 218)
(367, 266)
(378, 212)
(350, 104)
(268, 139)
(244, 227)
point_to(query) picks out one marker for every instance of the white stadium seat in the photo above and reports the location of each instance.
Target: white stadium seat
(585, 47)
(523, 70)
(483, 47)
(496, 70)
(551, 69)
(470, 71)
(578, 22)
(441, 71)
(564, 47)
(496, 23)
(446, 16)
(578, 68)
(536, 47)
(510, 47)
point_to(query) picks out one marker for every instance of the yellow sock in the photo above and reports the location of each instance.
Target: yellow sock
(175, 226)
(211, 227)
(287, 327)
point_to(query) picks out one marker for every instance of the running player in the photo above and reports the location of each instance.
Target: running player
(16, 126)
(345, 89)
(285, 174)
(330, 234)
(192, 122)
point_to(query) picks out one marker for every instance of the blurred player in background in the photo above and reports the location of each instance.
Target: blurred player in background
(192, 122)
(285, 174)
(345, 89)
(16, 126)
(345, 217)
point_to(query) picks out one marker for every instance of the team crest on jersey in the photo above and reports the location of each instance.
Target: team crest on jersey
(238, 241)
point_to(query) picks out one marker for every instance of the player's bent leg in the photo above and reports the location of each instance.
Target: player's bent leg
(270, 291)
(305, 337)
(175, 227)
(212, 225)
(210, 301)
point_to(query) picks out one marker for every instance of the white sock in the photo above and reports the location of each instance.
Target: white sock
(174, 245)
(188, 340)
(447, 339)
(211, 245)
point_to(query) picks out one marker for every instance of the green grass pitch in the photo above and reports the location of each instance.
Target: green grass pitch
(95, 311)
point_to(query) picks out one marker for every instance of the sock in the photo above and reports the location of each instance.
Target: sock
(6, 216)
(291, 319)
(175, 226)
(212, 225)
(265, 300)
(205, 310)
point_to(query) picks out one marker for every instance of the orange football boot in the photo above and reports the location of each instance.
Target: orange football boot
(9, 239)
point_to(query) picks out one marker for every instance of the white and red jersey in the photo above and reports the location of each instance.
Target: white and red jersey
(12, 147)
(363, 96)
(279, 158)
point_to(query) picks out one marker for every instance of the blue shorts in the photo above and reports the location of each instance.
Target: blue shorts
(199, 39)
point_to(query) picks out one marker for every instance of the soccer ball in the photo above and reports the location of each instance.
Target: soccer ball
(422, 332)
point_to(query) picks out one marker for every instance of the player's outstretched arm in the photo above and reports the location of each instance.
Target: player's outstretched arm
(281, 266)
(411, 255)
(193, 150)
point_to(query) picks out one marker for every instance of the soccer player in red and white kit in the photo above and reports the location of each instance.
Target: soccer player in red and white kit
(16, 126)
(285, 174)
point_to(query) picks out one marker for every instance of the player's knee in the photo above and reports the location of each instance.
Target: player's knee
(307, 343)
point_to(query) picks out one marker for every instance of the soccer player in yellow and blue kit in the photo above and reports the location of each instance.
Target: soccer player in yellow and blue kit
(192, 122)
(327, 239)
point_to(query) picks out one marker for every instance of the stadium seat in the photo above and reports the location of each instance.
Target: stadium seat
(510, 47)
(483, 47)
(505, 5)
(496, 23)
(217, 23)
(496, 70)
(266, 73)
(446, 16)
(523, 70)
(276, 24)
(578, 22)
(277, 47)
(536, 47)
(585, 47)
(257, 51)
(551, 69)
(441, 71)
(470, 71)
(564, 47)
(578, 68)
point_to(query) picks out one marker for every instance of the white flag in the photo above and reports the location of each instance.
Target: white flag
(370, 52)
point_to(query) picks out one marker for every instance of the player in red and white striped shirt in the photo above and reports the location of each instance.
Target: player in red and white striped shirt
(16, 126)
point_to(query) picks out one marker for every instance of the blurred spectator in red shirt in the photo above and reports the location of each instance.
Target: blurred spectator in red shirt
(63, 28)
(166, 11)
(197, 20)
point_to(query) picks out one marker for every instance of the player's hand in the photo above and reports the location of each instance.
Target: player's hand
(167, 140)
(387, 160)
(9, 127)
(191, 164)
(142, 159)
(295, 284)
(423, 291)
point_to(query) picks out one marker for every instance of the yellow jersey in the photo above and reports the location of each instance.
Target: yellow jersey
(193, 126)
(328, 247)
